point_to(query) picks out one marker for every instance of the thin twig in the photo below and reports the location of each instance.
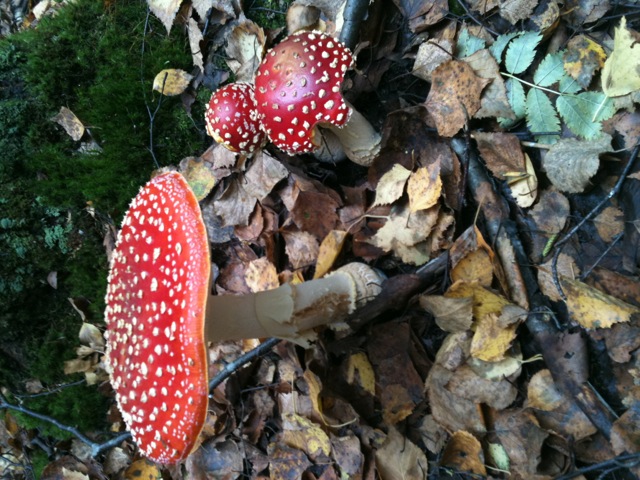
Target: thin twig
(251, 355)
(612, 193)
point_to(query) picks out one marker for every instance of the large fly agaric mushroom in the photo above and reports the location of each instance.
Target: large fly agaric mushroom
(298, 89)
(160, 316)
(232, 118)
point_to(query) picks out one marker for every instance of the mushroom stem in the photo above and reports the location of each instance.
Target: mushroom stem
(360, 141)
(291, 311)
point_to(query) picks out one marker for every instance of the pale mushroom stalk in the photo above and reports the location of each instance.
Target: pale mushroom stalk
(291, 311)
(158, 306)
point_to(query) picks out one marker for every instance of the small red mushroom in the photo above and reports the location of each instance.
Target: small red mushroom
(232, 118)
(160, 315)
(298, 88)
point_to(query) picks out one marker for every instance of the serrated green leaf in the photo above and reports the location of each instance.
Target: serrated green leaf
(550, 70)
(468, 44)
(515, 95)
(521, 52)
(568, 85)
(541, 116)
(500, 44)
(517, 100)
(584, 113)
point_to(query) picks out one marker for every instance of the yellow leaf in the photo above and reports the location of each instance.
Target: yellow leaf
(330, 248)
(391, 185)
(171, 82)
(484, 301)
(424, 187)
(592, 308)
(301, 433)
(71, 124)
(525, 188)
(143, 470)
(491, 340)
(360, 372)
(620, 74)
(261, 275)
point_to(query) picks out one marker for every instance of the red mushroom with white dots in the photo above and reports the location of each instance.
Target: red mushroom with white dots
(232, 118)
(298, 90)
(160, 315)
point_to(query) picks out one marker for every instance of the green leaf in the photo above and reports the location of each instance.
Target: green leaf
(541, 116)
(500, 44)
(568, 85)
(550, 70)
(468, 44)
(583, 113)
(521, 52)
(517, 100)
(515, 95)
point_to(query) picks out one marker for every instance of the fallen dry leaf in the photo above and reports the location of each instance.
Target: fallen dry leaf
(464, 453)
(261, 275)
(454, 96)
(582, 58)
(424, 187)
(570, 163)
(330, 248)
(451, 314)
(620, 72)
(391, 185)
(71, 124)
(400, 459)
(171, 81)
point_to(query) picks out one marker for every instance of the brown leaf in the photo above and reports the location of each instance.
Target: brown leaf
(315, 212)
(301, 248)
(522, 438)
(582, 58)
(464, 453)
(400, 459)
(493, 102)
(451, 314)
(454, 96)
(285, 462)
(501, 152)
(515, 10)
(609, 223)
(555, 411)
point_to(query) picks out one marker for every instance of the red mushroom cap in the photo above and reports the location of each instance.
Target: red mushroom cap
(232, 118)
(298, 86)
(158, 286)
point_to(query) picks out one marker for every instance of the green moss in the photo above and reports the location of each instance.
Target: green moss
(57, 202)
(269, 14)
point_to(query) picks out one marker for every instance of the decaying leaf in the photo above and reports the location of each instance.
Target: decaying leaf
(391, 185)
(261, 275)
(302, 248)
(451, 314)
(454, 96)
(424, 187)
(330, 248)
(199, 175)
(582, 58)
(464, 453)
(171, 81)
(245, 46)
(71, 124)
(620, 72)
(570, 163)
(400, 459)
(430, 55)
(165, 10)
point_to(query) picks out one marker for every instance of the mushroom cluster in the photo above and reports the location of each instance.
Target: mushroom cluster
(160, 315)
(297, 93)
